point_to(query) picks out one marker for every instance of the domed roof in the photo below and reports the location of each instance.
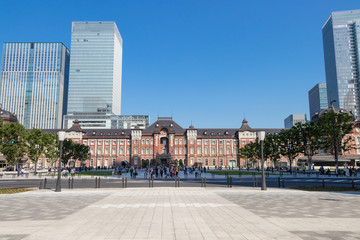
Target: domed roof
(330, 109)
(7, 116)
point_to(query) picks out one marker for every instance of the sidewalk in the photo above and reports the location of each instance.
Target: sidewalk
(172, 213)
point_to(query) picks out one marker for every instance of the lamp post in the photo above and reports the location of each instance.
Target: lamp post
(36, 147)
(261, 136)
(290, 156)
(61, 135)
(334, 138)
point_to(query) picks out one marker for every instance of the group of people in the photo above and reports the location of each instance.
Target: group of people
(346, 171)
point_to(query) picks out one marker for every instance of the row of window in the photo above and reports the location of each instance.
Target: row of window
(177, 141)
(213, 150)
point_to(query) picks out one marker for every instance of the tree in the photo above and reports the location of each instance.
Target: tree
(67, 151)
(251, 151)
(309, 139)
(181, 163)
(334, 127)
(36, 144)
(12, 144)
(289, 144)
(80, 152)
(272, 148)
(52, 149)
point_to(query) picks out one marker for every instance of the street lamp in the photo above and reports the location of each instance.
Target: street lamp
(61, 135)
(334, 138)
(290, 157)
(36, 147)
(261, 136)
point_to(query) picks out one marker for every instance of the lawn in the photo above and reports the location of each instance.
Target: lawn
(237, 173)
(325, 189)
(14, 190)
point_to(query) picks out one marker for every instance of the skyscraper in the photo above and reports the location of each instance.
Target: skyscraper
(341, 39)
(292, 119)
(318, 99)
(95, 68)
(34, 82)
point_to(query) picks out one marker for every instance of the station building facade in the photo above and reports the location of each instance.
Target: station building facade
(165, 141)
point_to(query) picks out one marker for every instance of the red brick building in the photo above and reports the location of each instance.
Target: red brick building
(166, 141)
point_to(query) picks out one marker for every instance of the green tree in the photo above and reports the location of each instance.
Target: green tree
(80, 152)
(52, 149)
(12, 144)
(36, 144)
(271, 148)
(334, 127)
(289, 144)
(309, 139)
(67, 151)
(251, 151)
(181, 163)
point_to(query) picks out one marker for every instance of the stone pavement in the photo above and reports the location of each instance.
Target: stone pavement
(179, 213)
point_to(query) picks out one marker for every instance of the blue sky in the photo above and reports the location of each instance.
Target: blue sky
(211, 62)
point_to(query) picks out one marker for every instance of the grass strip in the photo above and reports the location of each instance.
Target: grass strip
(235, 173)
(325, 189)
(14, 190)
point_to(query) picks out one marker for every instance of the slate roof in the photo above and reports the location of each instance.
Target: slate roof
(245, 127)
(164, 122)
(75, 127)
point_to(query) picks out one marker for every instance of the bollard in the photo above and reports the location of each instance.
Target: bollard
(175, 182)
(123, 182)
(352, 184)
(96, 183)
(323, 183)
(202, 184)
(283, 182)
(253, 180)
(41, 184)
(227, 181)
(152, 181)
(178, 181)
(45, 181)
(149, 183)
(256, 183)
(279, 182)
(69, 186)
(231, 182)
(205, 182)
(72, 183)
(126, 182)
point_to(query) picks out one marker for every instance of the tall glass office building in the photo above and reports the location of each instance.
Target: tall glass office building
(95, 68)
(341, 37)
(318, 99)
(34, 83)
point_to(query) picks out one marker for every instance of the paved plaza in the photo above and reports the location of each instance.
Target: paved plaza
(179, 213)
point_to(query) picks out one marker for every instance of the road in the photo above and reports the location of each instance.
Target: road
(116, 182)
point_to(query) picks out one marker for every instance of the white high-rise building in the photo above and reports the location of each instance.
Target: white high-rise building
(95, 68)
(34, 82)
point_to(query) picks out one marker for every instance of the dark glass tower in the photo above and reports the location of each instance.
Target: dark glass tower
(341, 36)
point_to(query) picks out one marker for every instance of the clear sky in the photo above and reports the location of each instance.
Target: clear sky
(206, 61)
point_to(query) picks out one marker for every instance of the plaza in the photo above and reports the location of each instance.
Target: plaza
(179, 213)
